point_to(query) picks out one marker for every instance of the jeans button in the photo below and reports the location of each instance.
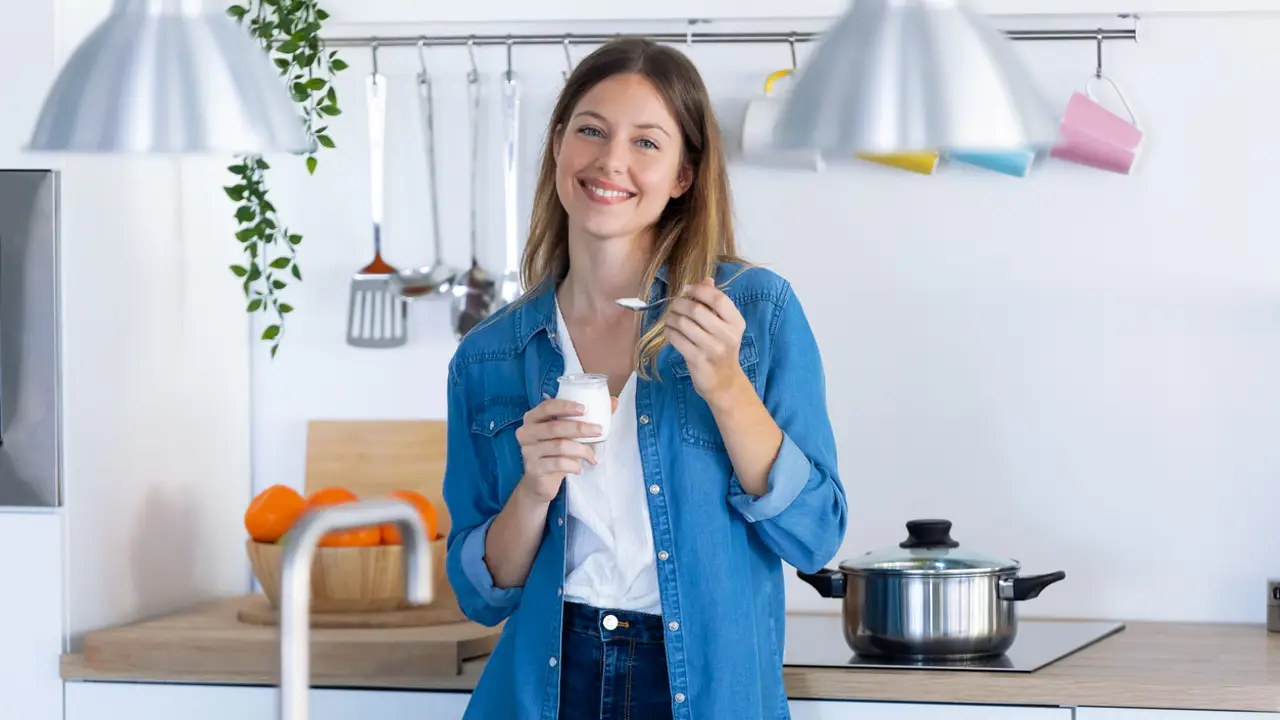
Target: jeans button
(610, 622)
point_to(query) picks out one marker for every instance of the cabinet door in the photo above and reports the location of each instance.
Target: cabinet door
(1100, 713)
(856, 710)
(153, 701)
(30, 612)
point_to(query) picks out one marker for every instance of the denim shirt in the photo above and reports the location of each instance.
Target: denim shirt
(719, 550)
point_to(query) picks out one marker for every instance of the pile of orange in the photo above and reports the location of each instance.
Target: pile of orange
(274, 511)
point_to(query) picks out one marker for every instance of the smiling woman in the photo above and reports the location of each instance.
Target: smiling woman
(639, 575)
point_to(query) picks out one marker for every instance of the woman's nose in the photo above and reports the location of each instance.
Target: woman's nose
(612, 159)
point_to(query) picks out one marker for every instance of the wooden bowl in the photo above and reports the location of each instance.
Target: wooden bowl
(352, 579)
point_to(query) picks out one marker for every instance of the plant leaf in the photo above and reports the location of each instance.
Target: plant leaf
(311, 164)
(286, 308)
(280, 263)
(325, 140)
(296, 272)
(271, 332)
(254, 304)
(339, 64)
(239, 271)
(279, 284)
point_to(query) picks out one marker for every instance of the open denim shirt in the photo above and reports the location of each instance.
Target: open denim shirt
(719, 549)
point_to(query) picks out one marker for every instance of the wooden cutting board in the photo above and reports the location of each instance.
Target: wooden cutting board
(210, 639)
(373, 457)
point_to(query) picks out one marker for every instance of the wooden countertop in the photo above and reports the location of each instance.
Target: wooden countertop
(1194, 666)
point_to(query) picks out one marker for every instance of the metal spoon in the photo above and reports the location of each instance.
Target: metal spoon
(638, 305)
(436, 279)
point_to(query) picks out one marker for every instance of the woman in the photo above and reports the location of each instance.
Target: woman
(640, 577)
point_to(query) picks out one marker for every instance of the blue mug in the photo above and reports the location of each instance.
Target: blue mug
(1016, 163)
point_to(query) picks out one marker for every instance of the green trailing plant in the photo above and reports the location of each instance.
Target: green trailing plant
(289, 30)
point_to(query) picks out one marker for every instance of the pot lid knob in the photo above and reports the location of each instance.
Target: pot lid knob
(928, 534)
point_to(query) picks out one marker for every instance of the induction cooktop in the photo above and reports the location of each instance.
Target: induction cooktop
(818, 641)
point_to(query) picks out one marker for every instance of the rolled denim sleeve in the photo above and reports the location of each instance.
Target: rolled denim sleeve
(473, 503)
(804, 513)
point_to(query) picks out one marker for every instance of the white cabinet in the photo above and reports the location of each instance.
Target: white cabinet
(1100, 713)
(856, 710)
(30, 612)
(153, 701)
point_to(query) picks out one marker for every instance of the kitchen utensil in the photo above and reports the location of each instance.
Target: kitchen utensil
(639, 305)
(474, 291)
(924, 162)
(757, 133)
(927, 599)
(1091, 135)
(376, 316)
(436, 279)
(510, 287)
(1015, 163)
(1094, 136)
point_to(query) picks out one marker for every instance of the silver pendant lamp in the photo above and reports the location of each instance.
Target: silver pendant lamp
(169, 76)
(914, 75)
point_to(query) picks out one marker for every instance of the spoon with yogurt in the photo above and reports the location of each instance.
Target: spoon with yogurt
(639, 305)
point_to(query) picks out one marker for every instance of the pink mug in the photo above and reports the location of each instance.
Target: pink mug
(1092, 135)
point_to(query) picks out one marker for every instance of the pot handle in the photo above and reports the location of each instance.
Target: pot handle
(829, 583)
(1028, 587)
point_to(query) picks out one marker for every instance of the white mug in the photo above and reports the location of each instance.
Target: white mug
(757, 133)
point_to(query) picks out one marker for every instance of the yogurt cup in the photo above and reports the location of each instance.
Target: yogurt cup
(591, 390)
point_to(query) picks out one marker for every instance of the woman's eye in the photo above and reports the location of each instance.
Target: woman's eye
(589, 131)
(647, 144)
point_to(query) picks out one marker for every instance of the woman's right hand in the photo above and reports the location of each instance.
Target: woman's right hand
(549, 445)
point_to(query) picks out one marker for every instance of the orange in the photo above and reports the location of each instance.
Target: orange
(272, 512)
(391, 533)
(354, 537)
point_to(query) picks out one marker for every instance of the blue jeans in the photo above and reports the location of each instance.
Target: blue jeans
(617, 673)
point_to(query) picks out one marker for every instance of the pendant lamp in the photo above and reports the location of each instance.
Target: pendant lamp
(895, 76)
(169, 76)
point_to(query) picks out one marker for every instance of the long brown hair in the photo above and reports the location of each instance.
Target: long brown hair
(695, 230)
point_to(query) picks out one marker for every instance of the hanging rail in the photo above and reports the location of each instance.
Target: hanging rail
(691, 38)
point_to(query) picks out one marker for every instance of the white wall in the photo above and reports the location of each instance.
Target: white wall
(1078, 369)
(155, 372)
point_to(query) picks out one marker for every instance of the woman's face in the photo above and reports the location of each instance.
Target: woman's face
(619, 159)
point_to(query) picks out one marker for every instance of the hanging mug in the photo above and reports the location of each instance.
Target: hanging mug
(757, 133)
(924, 162)
(1016, 162)
(1092, 135)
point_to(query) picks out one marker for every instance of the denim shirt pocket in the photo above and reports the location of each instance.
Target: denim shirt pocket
(493, 430)
(697, 425)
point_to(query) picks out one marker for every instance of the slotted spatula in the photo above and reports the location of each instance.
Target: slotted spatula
(376, 316)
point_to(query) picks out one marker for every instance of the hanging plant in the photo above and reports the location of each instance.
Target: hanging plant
(289, 30)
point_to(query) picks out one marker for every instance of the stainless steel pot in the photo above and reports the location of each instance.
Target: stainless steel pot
(926, 599)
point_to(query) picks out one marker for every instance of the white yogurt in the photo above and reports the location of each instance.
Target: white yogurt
(591, 390)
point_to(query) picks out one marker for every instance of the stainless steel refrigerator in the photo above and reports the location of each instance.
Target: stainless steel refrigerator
(30, 376)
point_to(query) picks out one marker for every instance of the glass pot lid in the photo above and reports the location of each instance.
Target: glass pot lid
(928, 550)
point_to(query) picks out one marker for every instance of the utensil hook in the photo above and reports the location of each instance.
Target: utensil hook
(474, 75)
(1098, 75)
(568, 59)
(510, 43)
(373, 49)
(792, 40)
(422, 60)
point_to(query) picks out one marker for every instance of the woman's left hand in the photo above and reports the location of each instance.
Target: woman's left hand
(706, 328)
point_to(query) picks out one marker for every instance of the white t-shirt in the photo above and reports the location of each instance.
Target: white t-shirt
(609, 557)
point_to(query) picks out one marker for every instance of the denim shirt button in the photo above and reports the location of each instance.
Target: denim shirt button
(653, 489)
(679, 697)
(662, 555)
(673, 625)
(560, 520)
(552, 662)
(644, 419)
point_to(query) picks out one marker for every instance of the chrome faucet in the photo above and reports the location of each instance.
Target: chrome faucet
(295, 593)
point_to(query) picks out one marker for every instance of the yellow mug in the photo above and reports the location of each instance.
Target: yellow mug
(924, 162)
